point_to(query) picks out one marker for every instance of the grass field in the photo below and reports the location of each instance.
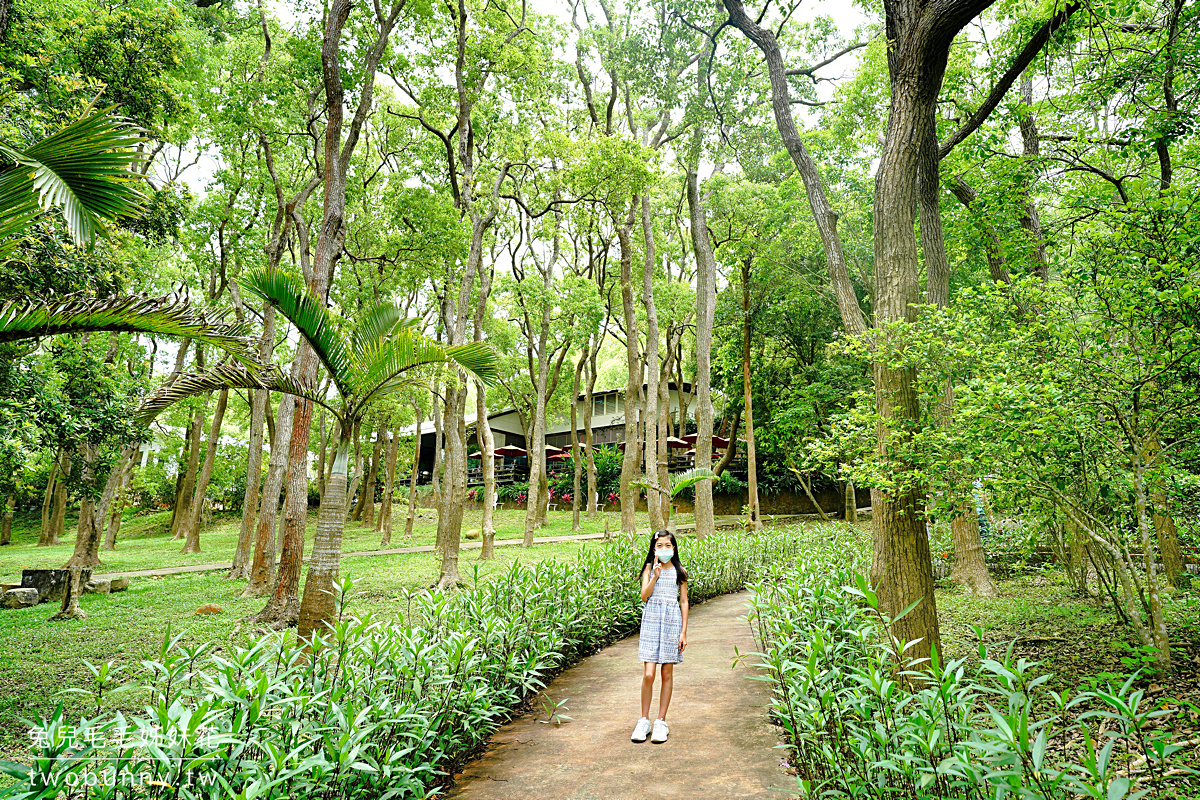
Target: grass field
(39, 658)
(143, 542)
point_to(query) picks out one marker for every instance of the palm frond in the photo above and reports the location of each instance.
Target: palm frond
(163, 315)
(479, 360)
(689, 478)
(86, 169)
(679, 481)
(317, 323)
(390, 364)
(374, 325)
(227, 376)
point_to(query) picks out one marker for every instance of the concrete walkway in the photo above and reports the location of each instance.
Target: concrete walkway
(721, 744)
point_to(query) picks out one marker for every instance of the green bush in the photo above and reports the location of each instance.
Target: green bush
(152, 487)
(989, 730)
(511, 491)
(388, 708)
(608, 473)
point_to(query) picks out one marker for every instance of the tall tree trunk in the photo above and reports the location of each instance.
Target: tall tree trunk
(356, 481)
(183, 503)
(576, 452)
(368, 499)
(535, 507)
(45, 534)
(58, 512)
(439, 451)
(483, 428)
(318, 606)
(88, 536)
(1029, 218)
(850, 513)
(262, 570)
(664, 430)
(192, 533)
(629, 464)
(316, 609)
(283, 608)
(6, 526)
(454, 490)
(259, 399)
(410, 517)
(487, 444)
(654, 499)
(384, 524)
(970, 567)
(118, 506)
(705, 307)
(748, 401)
(902, 570)
(593, 499)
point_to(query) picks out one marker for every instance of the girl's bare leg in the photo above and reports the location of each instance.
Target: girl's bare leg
(664, 696)
(648, 687)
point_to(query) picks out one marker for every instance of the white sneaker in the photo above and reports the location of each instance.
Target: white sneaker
(660, 731)
(641, 730)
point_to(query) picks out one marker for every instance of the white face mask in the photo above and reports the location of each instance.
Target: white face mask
(664, 554)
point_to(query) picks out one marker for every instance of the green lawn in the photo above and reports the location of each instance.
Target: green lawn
(39, 658)
(1080, 640)
(143, 543)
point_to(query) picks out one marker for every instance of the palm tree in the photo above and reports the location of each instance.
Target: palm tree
(88, 170)
(162, 315)
(378, 354)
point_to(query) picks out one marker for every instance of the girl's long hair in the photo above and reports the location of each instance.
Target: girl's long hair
(680, 572)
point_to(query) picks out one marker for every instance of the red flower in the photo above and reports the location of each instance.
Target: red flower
(567, 497)
(613, 497)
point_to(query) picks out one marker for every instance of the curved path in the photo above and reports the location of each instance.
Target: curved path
(720, 745)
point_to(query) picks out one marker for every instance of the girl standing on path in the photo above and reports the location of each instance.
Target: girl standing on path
(664, 628)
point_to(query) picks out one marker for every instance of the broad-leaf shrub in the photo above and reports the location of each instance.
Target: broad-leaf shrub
(988, 731)
(387, 707)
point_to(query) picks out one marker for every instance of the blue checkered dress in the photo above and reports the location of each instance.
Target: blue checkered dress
(662, 621)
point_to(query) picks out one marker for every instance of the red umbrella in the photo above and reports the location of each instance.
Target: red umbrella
(508, 450)
(551, 450)
(717, 441)
(557, 456)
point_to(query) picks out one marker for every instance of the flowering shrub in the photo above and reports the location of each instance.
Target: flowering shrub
(471, 494)
(613, 497)
(567, 497)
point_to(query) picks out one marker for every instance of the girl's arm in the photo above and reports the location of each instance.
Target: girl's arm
(683, 604)
(648, 577)
(683, 607)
